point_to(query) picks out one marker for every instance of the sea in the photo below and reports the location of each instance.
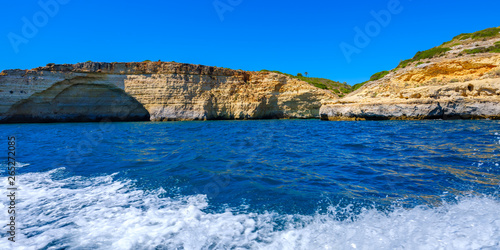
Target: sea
(258, 184)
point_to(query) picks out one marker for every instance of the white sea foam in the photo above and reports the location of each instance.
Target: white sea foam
(3, 166)
(102, 213)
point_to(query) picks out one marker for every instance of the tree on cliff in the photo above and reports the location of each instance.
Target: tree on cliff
(306, 74)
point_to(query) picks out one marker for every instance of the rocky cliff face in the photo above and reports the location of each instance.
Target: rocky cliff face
(460, 83)
(155, 91)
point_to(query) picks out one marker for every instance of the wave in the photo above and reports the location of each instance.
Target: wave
(103, 213)
(3, 166)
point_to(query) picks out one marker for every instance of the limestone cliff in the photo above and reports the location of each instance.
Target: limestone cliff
(155, 91)
(457, 80)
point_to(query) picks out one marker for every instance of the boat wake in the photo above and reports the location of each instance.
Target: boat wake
(102, 213)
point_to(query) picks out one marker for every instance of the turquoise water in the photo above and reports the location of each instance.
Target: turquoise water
(271, 184)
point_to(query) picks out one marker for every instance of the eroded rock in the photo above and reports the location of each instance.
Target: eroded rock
(157, 91)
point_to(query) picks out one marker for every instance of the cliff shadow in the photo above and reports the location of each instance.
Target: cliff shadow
(78, 100)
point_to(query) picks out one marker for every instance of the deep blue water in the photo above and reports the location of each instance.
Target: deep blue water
(271, 184)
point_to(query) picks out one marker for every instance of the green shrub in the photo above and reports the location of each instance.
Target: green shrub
(378, 75)
(359, 85)
(495, 49)
(345, 90)
(430, 53)
(476, 50)
(490, 32)
(275, 71)
(486, 33)
(462, 36)
(320, 85)
(491, 49)
(404, 63)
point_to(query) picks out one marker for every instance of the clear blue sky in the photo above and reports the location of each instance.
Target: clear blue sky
(289, 36)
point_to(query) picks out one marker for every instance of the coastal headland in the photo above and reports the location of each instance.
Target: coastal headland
(459, 79)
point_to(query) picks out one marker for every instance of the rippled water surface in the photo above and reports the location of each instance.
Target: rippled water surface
(277, 184)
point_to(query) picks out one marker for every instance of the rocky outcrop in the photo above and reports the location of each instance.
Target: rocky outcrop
(155, 91)
(450, 87)
(414, 110)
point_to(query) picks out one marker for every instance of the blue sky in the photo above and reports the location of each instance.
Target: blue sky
(289, 36)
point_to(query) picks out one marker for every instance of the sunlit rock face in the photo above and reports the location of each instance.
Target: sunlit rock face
(454, 86)
(157, 91)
